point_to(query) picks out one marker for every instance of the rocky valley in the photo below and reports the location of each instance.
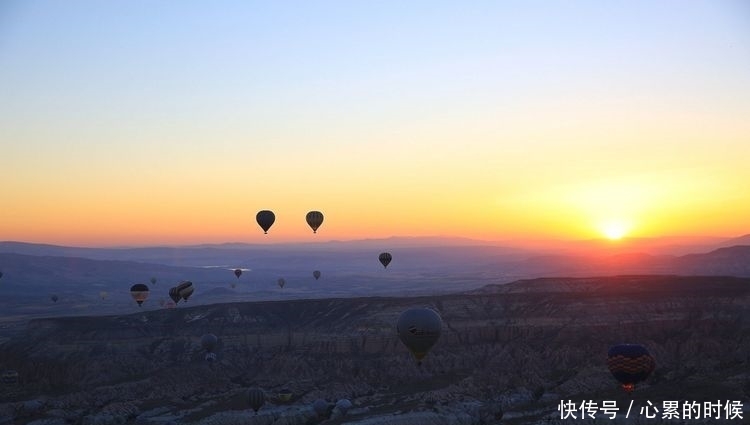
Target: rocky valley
(513, 351)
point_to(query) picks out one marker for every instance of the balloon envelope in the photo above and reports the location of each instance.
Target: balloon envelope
(630, 364)
(281, 282)
(153, 280)
(316, 274)
(208, 342)
(419, 329)
(185, 289)
(54, 298)
(265, 219)
(238, 273)
(385, 258)
(174, 294)
(314, 220)
(343, 405)
(139, 292)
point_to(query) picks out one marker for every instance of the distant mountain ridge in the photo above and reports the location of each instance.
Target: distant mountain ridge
(723, 285)
(733, 260)
(659, 245)
(742, 240)
(399, 241)
(208, 254)
(29, 280)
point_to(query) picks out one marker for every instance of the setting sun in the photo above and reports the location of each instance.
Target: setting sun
(614, 230)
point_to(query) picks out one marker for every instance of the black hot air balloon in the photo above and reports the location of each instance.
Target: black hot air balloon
(185, 289)
(238, 273)
(316, 274)
(265, 219)
(54, 298)
(419, 329)
(385, 258)
(314, 220)
(630, 364)
(208, 342)
(281, 282)
(181, 291)
(256, 398)
(174, 294)
(139, 292)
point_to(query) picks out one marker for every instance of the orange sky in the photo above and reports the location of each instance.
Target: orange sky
(465, 123)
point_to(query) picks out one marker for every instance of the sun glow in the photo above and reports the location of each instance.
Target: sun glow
(614, 230)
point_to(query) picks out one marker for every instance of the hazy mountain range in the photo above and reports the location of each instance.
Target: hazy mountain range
(33, 272)
(660, 245)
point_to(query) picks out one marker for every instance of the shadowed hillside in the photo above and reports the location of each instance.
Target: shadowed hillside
(521, 347)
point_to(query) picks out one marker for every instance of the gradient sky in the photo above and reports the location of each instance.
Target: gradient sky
(164, 122)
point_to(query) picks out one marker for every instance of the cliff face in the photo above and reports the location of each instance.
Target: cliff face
(521, 347)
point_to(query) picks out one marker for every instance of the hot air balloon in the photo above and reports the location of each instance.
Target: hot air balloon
(265, 219)
(153, 281)
(54, 298)
(238, 273)
(256, 398)
(174, 294)
(630, 364)
(343, 405)
(316, 274)
(419, 329)
(209, 341)
(139, 292)
(185, 289)
(385, 258)
(320, 407)
(285, 395)
(314, 220)
(281, 282)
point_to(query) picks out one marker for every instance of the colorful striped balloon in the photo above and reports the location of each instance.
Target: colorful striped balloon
(630, 364)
